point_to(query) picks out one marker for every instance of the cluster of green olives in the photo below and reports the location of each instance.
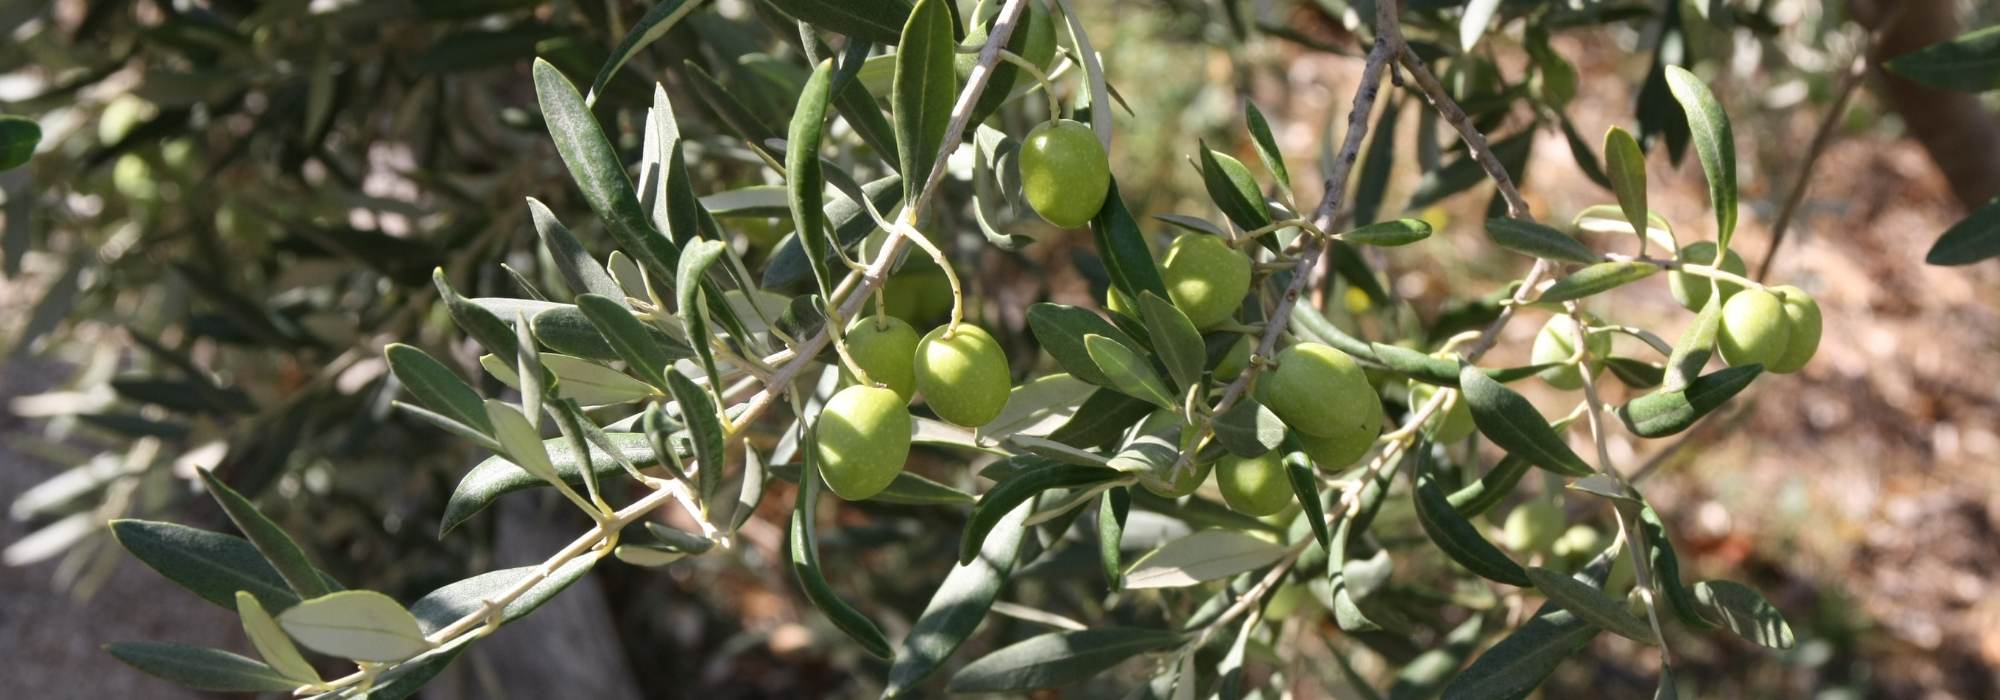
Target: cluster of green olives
(864, 430)
(1777, 327)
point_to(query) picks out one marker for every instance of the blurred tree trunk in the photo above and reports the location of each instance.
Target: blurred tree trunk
(1960, 135)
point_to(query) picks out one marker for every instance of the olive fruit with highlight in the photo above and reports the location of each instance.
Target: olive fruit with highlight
(1321, 393)
(1754, 330)
(1557, 343)
(885, 347)
(1206, 278)
(1533, 526)
(1254, 486)
(1064, 172)
(1692, 290)
(863, 439)
(963, 374)
(1802, 322)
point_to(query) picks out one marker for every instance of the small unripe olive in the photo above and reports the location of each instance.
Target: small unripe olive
(1321, 393)
(1288, 599)
(1235, 360)
(1557, 343)
(1753, 330)
(1803, 323)
(886, 348)
(1447, 426)
(1579, 543)
(864, 438)
(1206, 278)
(1064, 172)
(963, 375)
(1692, 290)
(1255, 486)
(1533, 526)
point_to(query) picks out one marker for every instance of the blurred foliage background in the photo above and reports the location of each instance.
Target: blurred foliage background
(236, 204)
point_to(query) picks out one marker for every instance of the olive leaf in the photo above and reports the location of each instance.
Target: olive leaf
(705, 429)
(804, 183)
(735, 116)
(804, 558)
(1267, 145)
(628, 337)
(1714, 144)
(594, 165)
(879, 21)
(655, 24)
(1203, 556)
(1626, 167)
(1537, 240)
(849, 221)
(1059, 658)
(438, 388)
(1233, 189)
(278, 548)
(1249, 429)
(908, 488)
(1666, 567)
(271, 643)
(201, 668)
(1595, 279)
(1004, 496)
(440, 608)
(1669, 412)
(583, 381)
(1126, 370)
(497, 476)
(1102, 416)
(1696, 346)
(579, 270)
(18, 138)
(1972, 239)
(1968, 63)
(1591, 604)
(1510, 421)
(1175, 339)
(1305, 485)
(1744, 611)
(1521, 660)
(1113, 507)
(209, 564)
(1459, 538)
(1126, 254)
(1061, 329)
(1389, 233)
(1476, 498)
(960, 603)
(925, 87)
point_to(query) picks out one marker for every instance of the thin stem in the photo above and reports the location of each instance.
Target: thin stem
(1821, 139)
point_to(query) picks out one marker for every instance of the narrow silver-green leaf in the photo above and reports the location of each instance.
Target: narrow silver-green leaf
(1126, 370)
(805, 185)
(1305, 486)
(925, 87)
(1389, 233)
(1968, 63)
(519, 440)
(1540, 241)
(1597, 278)
(1248, 429)
(271, 643)
(1625, 166)
(878, 21)
(1000, 500)
(358, 625)
(497, 476)
(1060, 328)
(1744, 611)
(804, 551)
(628, 337)
(1591, 604)
(704, 427)
(1267, 145)
(210, 564)
(1510, 421)
(1522, 660)
(594, 164)
(1202, 556)
(1669, 412)
(277, 547)
(436, 387)
(1059, 658)
(655, 24)
(1233, 189)
(201, 668)
(446, 605)
(1667, 571)
(579, 270)
(959, 604)
(1714, 144)
(1696, 346)
(1460, 539)
(1175, 339)
(689, 291)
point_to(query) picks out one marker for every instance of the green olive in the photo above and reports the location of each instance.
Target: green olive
(1321, 393)
(1803, 323)
(1206, 278)
(963, 374)
(1335, 454)
(1450, 426)
(1754, 329)
(1533, 526)
(886, 348)
(864, 438)
(1557, 343)
(1579, 543)
(1234, 360)
(1064, 172)
(1289, 599)
(1254, 486)
(1034, 39)
(1692, 290)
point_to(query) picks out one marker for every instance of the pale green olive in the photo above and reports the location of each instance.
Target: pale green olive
(1533, 526)
(1754, 329)
(1064, 172)
(1206, 278)
(863, 439)
(1802, 322)
(1557, 343)
(1321, 393)
(885, 347)
(1448, 426)
(1692, 290)
(1254, 486)
(962, 374)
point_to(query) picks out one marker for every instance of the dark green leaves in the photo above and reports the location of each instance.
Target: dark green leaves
(18, 138)
(201, 668)
(1267, 145)
(595, 167)
(1206, 555)
(1510, 421)
(1969, 63)
(1127, 371)
(1669, 412)
(1591, 604)
(1539, 241)
(1597, 278)
(805, 185)
(1460, 539)
(804, 550)
(1714, 143)
(925, 87)
(1126, 255)
(628, 336)
(1058, 659)
(1975, 238)
(210, 564)
(1744, 611)
(579, 270)
(1060, 329)
(1175, 340)
(497, 477)
(1625, 166)
(438, 388)
(277, 547)
(655, 24)
(1519, 662)
(1389, 233)
(879, 21)
(959, 604)
(1004, 496)
(1248, 429)
(1696, 346)
(705, 429)
(439, 608)
(1233, 189)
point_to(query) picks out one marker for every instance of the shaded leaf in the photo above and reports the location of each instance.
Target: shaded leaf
(210, 564)
(446, 605)
(1537, 240)
(278, 549)
(1058, 659)
(1126, 370)
(926, 85)
(1968, 63)
(1175, 340)
(1972, 239)
(1714, 144)
(1597, 278)
(960, 603)
(655, 24)
(1591, 604)
(1744, 611)
(1389, 233)
(1004, 496)
(201, 668)
(1460, 539)
(1203, 556)
(1669, 412)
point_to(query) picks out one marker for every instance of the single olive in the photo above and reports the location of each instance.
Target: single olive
(1321, 393)
(1754, 329)
(1802, 322)
(1064, 172)
(1557, 343)
(1235, 360)
(886, 348)
(963, 374)
(1449, 426)
(1254, 486)
(1578, 544)
(1206, 278)
(1692, 290)
(863, 439)
(1533, 526)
